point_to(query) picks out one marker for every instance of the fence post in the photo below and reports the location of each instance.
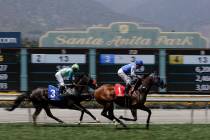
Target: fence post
(206, 112)
(92, 63)
(29, 115)
(192, 113)
(162, 66)
(23, 70)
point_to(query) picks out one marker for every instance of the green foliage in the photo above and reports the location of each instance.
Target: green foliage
(24, 131)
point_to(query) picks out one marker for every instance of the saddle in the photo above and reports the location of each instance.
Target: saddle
(70, 92)
(55, 95)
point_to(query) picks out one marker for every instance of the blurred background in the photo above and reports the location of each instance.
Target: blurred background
(34, 18)
(24, 66)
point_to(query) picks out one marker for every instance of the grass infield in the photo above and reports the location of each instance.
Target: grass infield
(26, 131)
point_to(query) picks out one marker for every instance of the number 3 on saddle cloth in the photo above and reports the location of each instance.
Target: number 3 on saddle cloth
(119, 90)
(53, 93)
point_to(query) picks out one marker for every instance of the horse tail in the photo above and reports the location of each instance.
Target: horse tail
(18, 101)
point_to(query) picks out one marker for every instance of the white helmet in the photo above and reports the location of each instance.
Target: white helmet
(75, 66)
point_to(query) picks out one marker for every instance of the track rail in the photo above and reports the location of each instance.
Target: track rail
(150, 98)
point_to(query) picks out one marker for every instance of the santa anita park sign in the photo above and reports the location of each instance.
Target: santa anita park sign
(122, 35)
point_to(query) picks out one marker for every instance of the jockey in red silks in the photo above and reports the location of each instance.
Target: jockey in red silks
(128, 72)
(66, 73)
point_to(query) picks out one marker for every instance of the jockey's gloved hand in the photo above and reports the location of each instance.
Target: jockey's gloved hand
(62, 87)
(133, 77)
(139, 76)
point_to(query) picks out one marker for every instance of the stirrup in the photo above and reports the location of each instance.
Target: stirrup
(126, 95)
(143, 89)
(64, 93)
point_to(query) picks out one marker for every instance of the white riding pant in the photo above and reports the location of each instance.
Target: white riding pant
(59, 78)
(124, 77)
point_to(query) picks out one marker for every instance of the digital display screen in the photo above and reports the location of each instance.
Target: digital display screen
(9, 70)
(188, 70)
(44, 63)
(110, 60)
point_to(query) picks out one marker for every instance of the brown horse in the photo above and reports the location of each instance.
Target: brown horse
(105, 95)
(39, 98)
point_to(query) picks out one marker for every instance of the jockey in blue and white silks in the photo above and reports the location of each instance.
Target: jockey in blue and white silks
(68, 73)
(128, 71)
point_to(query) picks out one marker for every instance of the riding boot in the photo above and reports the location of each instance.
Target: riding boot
(127, 88)
(139, 82)
(62, 90)
(127, 96)
(143, 89)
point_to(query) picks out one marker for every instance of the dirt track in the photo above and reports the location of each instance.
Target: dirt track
(159, 116)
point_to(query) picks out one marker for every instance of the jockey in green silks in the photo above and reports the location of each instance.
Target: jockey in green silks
(68, 73)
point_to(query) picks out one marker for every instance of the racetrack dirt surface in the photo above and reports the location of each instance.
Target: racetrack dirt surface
(159, 116)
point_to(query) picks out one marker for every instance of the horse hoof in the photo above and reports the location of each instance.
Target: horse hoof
(34, 124)
(79, 123)
(125, 126)
(116, 125)
(8, 109)
(98, 121)
(61, 122)
(121, 117)
(147, 126)
(115, 122)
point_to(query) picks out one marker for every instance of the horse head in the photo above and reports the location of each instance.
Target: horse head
(85, 80)
(154, 79)
(144, 84)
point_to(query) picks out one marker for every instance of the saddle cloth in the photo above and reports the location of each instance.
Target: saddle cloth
(53, 93)
(119, 90)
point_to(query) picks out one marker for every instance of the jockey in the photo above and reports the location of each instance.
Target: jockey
(66, 73)
(129, 69)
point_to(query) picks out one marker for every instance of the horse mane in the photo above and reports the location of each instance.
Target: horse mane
(146, 75)
(80, 76)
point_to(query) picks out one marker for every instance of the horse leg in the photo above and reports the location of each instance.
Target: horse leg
(149, 114)
(49, 114)
(109, 108)
(81, 116)
(111, 114)
(105, 111)
(36, 113)
(84, 110)
(134, 114)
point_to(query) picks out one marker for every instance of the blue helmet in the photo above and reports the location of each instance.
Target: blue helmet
(139, 62)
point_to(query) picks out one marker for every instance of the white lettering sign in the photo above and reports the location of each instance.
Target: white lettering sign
(3, 86)
(3, 67)
(8, 40)
(58, 58)
(3, 76)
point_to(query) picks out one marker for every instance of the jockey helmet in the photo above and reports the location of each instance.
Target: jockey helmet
(139, 62)
(75, 66)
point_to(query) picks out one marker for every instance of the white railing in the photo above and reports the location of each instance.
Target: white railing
(151, 98)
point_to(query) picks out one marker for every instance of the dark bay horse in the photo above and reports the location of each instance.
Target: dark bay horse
(105, 95)
(39, 99)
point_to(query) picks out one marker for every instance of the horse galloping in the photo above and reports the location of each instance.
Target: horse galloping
(39, 99)
(105, 95)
